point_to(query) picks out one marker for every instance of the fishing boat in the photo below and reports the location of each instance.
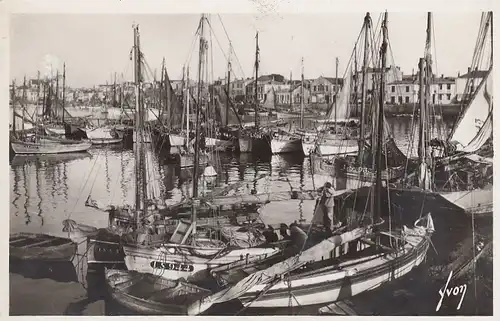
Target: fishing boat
(192, 251)
(338, 150)
(254, 139)
(31, 246)
(103, 136)
(22, 147)
(460, 176)
(345, 264)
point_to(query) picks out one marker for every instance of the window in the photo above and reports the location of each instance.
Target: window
(448, 86)
(400, 99)
(393, 89)
(407, 99)
(448, 96)
(393, 99)
(326, 88)
(407, 89)
(314, 88)
(440, 97)
(440, 86)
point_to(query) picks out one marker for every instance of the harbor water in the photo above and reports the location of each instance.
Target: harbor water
(45, 190)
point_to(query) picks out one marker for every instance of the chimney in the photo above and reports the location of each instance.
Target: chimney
(458, 75)
(468, 70)
(442, 76)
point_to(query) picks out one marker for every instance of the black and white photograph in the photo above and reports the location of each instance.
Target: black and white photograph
(254, 163)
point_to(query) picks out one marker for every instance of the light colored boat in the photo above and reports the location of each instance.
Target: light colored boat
(330, 147)
(285, 143)
(476, 201)
(176, 140)
(20, 147)
(218, 144)
(103, 136)
(314, 279)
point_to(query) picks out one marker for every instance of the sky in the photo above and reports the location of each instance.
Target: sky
(95, 46)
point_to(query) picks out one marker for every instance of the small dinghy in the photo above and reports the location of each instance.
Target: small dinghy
(151, 294)
(40, 247)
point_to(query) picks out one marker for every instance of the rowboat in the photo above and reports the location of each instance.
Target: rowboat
(41, 247)
(20, 147)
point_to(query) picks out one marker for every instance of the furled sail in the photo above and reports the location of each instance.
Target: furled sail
(268, 275)
(174, 116)
(220, 109)
(475, 125)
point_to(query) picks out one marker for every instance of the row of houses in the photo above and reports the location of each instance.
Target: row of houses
(274, 89)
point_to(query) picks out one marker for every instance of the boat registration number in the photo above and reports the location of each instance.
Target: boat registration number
(172, 266)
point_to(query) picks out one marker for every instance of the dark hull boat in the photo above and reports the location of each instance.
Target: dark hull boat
(40, 247)
(151, 294)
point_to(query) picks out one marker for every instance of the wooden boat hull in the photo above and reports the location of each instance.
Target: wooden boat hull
(331, 148)
(285, 144)
(105, 141)
(219, 144)
(253, 145)
(40, 247)
(174, 262)
(477, 201)
(48, 148)
(176, 140)
(326, 288)
(59, 131)
(147, 138)
(148, 294)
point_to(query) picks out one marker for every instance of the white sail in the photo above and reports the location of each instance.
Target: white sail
(476, 124)
(342, 102)
(265, 276)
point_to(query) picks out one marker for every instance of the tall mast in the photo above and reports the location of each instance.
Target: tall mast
(13, 107)
(228, 85)
(57, 91)
(256, 78)
(336, 90)
(302, 96)
(161, 89)
(291, 90)
(37, 97)
(187, 105)
(139, 205)
(380, 124)
(24, 101)
(203, 44)
(114, 89)
(425, 65)
(168, 96)
(64, 91)
(364, 82)
(183, 97)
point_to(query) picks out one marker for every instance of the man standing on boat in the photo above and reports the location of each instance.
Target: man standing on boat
(328, 202)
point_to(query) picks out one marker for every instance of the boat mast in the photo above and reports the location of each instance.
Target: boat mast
(138, 128)
(24, 101)
(64, 91)
(37, 99)
(256, 83)
(57, 91)
(228, 85)
(187, 106)
(364, 81)
(380, 124)
(13, 108)
(168, 95)
(203, 44)
(424, 80)
(183, 97)
(336, 90)
(291, 90)
(302, 97)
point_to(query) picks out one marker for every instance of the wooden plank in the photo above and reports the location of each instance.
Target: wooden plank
(38, 244)
(338, 308)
